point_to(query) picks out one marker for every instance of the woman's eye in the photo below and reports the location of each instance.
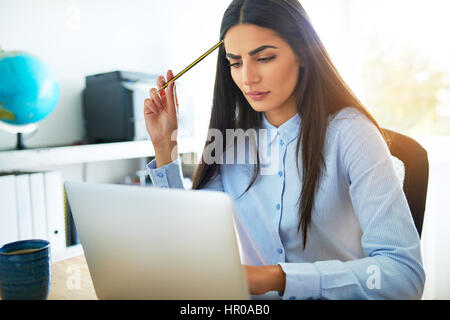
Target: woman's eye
(237, 65)
(234, 65)
(266, 59)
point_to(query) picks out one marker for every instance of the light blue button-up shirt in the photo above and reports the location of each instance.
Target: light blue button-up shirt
(362, 242)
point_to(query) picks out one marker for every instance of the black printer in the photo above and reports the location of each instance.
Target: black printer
(113, 106)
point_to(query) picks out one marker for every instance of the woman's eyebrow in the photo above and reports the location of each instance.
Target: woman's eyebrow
(251, 53)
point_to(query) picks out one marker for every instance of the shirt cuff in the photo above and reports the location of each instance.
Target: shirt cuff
(302, 281)
(168, 176)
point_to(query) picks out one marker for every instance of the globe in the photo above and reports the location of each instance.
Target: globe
(28, 88)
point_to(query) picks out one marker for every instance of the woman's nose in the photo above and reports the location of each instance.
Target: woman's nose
(250, 75)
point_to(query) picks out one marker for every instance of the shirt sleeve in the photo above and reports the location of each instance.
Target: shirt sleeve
(171, 176)
(392, 267)
(168, 176)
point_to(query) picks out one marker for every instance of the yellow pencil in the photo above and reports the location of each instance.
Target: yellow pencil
(191, 65)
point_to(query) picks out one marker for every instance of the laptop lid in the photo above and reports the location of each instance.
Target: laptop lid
(153, 243)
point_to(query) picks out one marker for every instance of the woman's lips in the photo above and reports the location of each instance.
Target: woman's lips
(257, 96)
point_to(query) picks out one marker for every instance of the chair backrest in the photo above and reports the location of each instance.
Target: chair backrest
(415, 183)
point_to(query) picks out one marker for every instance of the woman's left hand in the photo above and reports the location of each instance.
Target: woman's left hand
(263, 279)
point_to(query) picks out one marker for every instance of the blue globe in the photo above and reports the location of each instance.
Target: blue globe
(28, 88)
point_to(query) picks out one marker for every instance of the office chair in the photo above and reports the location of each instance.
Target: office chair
(415, 184)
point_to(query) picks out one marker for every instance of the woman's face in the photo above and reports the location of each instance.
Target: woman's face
(265, 69)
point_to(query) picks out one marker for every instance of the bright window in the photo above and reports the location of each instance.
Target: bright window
(395, 55)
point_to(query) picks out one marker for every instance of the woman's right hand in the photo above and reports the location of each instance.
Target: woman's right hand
(161, 114)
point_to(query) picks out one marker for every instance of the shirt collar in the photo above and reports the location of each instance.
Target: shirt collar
(288, 131)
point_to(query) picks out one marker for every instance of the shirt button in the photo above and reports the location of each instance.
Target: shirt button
(280, 173)
(292, 298)
(280, 251)
(278, 206)
(281, 143)
(160, 175)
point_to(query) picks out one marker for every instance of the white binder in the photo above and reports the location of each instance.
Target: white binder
(24, 206)
(38, 209)
(9, 229)
(54, 201)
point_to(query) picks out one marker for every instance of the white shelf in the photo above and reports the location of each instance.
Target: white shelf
(44, 157)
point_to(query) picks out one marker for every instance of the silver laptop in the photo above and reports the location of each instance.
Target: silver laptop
(153, 243)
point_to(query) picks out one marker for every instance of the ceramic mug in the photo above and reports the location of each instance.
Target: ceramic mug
(25, 270)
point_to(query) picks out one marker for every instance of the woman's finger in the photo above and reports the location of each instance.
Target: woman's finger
(169, 88)
(156, 98)
(175, 96)
(160, 82)
(150, 107)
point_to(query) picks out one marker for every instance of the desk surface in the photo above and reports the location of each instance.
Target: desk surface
(71, 280)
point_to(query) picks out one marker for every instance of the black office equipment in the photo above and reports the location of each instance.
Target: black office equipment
(113, 105)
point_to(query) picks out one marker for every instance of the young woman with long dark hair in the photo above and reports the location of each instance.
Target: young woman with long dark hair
(332, 222)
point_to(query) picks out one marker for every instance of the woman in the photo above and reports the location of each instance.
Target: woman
(332, 222)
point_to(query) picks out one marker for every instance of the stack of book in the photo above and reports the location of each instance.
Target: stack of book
(33, 206)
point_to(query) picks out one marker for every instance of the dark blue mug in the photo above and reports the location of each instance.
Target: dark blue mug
(25, 270)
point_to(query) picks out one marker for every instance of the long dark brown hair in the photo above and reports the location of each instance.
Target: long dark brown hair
(321, 93)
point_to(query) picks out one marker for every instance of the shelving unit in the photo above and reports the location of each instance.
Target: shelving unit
(76, 156)
(56, 156)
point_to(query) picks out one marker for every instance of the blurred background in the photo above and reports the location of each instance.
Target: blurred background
(393, 54)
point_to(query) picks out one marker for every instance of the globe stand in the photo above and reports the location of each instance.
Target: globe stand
(19, 131)
(20, 145)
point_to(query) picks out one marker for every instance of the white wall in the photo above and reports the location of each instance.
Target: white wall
(81, 37)
(436, 226)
